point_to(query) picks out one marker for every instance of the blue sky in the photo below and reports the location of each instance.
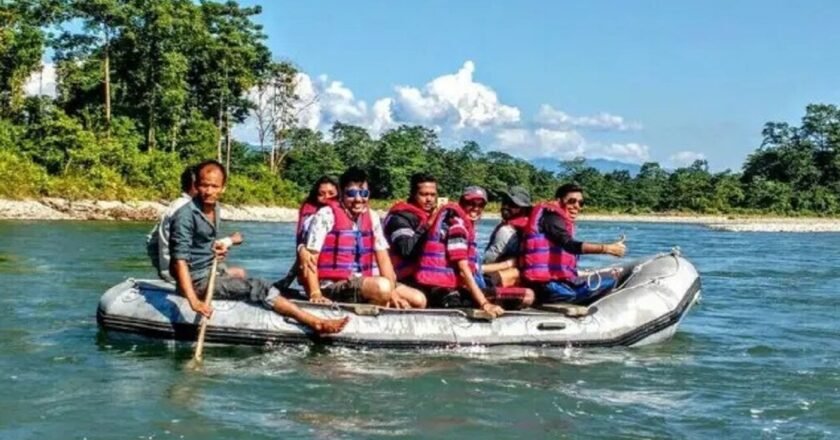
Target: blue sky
(697, 78)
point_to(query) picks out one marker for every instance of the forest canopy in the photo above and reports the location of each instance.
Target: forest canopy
(145, 87)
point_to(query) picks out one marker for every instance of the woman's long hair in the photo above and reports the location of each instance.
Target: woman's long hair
(313, 192)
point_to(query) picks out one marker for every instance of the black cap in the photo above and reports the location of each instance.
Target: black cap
(518, 196)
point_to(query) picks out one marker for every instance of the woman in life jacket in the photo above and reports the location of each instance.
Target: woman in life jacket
(323, 191)
(550, 251)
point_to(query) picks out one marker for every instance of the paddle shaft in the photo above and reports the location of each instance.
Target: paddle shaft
(199, 347)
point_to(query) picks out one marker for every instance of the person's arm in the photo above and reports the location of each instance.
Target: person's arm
(555, 229)
(457, 255)
(468, 281)
(181, 235)
(312, 285)
(322, 224)
(405, 236)
(498, 266)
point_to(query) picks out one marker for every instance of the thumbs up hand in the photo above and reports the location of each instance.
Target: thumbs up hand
(618, 248)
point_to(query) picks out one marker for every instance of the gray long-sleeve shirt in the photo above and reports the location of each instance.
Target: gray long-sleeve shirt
(192, 237)
(504, 244)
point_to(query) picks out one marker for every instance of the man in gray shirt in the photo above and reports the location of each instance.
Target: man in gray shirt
(193, 247)
(505, 239)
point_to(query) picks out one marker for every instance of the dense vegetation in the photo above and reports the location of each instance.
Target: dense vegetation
(147, 86)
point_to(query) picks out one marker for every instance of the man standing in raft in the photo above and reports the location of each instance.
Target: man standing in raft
(347, 239)
(193, 246)
(449, 258)
(550, 252)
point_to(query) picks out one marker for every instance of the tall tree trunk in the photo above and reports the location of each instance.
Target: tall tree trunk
(227, 142)
(108, 82)
(176, 127)
(219, 131)
(150, 127)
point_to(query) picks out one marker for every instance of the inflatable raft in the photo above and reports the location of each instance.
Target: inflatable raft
(647, 306)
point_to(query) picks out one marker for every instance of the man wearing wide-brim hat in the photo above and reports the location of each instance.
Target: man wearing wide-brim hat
(505, 239)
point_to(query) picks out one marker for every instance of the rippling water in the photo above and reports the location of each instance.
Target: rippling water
(758, 358)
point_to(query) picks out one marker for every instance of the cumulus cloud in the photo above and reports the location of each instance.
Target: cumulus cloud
(41, 82)
(630, 152)
(685, 158)
(552, 117)
(455, 99)
(459, 108)
(541, 142)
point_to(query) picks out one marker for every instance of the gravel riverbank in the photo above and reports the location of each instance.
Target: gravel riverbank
(61, 209)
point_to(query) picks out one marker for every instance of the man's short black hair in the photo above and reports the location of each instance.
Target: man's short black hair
(353, 175)
(210, 163)
(188, 178)
(567, 188)
(417, 179)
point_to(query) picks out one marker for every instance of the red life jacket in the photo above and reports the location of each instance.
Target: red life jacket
(404, 268)
(306, 210)
(434, 270)
(542, 261)
(346, 250)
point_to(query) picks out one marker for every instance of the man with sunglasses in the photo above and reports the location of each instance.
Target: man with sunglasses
(346, 238)
(550, 251)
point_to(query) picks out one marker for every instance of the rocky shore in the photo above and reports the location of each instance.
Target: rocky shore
(61, 209)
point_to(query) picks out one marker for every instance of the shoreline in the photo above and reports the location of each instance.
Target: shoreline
(61, 209)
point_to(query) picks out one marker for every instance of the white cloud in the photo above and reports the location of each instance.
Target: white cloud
(41, 82)
(455, 100)
(685, 158)
(630, 152)
(459, 108)
(541, 142)
(552, 117)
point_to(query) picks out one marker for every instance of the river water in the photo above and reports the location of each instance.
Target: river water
(759, 357)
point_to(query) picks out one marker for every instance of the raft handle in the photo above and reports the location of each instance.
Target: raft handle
(551, 326)
(364, 309)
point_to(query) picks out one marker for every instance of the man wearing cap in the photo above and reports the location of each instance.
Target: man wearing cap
(449, 258)
(505, 239)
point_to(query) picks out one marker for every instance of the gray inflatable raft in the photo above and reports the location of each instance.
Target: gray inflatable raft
(651, 300)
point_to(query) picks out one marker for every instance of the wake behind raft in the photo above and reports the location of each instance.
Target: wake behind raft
(652, 298)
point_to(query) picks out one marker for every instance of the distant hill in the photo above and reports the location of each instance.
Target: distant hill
(602, 165)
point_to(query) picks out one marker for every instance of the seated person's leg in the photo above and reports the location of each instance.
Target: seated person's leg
(282, 306)
(414, 296)
(376, 290)
(555, 292)
(577, 291)
(509, 298)
(236, 272)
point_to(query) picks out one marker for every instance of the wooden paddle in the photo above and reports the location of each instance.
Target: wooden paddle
(199, 346)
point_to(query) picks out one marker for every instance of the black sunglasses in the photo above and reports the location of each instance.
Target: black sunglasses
(353, 193)
(574, 201)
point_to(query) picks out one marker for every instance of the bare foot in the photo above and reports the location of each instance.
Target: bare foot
(328, 326)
